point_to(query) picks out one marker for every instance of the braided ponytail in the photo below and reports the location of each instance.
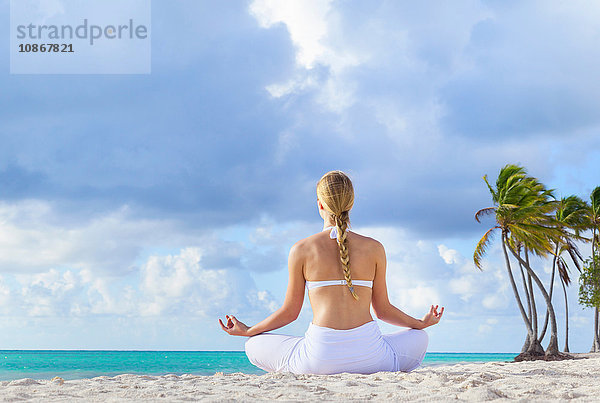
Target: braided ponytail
(341, 224)
(336, 193)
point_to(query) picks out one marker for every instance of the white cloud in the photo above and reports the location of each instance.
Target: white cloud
(179, 285)
(305, 21)
(266, 298)
(419, 299)
(314, 28)
(450, 256)
(51, 293)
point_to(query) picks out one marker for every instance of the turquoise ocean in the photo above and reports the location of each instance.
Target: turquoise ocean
(70, 364)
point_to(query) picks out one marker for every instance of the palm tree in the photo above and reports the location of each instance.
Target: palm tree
(570, 217)
(565, 280)
(522, 208)
(593, 216)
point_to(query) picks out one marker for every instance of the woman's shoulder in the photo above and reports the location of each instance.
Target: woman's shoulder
(365, 238)
(366, 242)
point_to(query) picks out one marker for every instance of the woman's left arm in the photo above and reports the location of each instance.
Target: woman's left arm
(289, 311)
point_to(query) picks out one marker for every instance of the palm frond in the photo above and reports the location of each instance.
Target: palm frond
(482, 246)
(595, 200)
(563, 271)
(491, 189)
(484, 212)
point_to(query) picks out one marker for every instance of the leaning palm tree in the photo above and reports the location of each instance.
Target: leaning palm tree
(565, 280)
(570, 217)
(509, 191)
(522, 211)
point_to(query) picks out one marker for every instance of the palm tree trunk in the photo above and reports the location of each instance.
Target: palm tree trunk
(596, 344)
(552, 349)
(527, 341)
(543, 333)
(566, 349)
(534, 320)
(534, 347)
(526, 290)
(597, 331)
(526, 344)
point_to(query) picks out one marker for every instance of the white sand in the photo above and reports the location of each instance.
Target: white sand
(526, 381)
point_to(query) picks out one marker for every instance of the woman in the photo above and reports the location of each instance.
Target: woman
(345, 274)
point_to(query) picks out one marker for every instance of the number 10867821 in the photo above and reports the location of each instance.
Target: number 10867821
(46, 48)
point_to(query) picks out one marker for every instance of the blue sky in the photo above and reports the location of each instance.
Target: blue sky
(136, 209)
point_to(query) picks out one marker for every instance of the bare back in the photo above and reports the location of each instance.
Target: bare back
(334, 306)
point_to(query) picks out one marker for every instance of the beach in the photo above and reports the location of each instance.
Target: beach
(537, 380)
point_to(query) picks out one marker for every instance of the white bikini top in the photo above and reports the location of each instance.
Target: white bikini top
(315, 284)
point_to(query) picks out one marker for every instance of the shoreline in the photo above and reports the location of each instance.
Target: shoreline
(529, 380)
(72, 365)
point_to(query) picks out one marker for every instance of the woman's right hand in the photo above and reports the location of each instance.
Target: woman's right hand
(234, 327)
(432, 317)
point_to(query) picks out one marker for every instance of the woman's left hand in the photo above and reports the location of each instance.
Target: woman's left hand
(234, 327)
(433, 316)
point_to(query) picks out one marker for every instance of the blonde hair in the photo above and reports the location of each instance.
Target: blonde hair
(336, 193)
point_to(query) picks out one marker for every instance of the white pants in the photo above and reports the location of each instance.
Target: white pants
(323, 350)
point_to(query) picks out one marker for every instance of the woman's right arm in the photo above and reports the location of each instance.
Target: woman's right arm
(387, 312)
